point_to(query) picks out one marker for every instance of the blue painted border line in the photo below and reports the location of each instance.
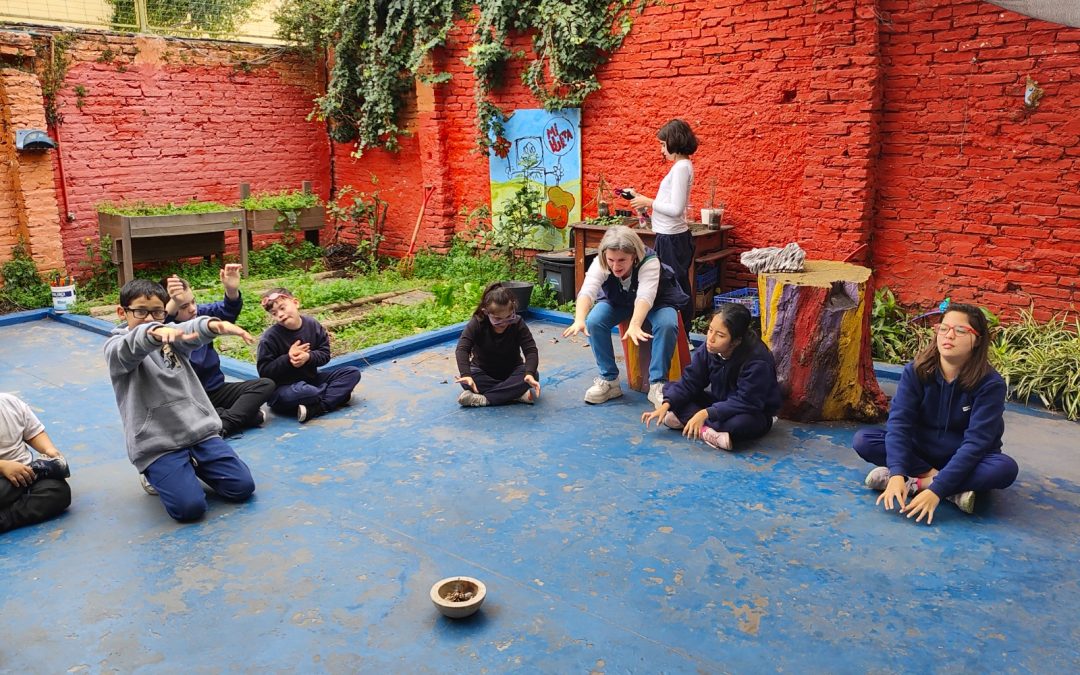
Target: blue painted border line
(24, 317)
(399, 347)
(384, 352)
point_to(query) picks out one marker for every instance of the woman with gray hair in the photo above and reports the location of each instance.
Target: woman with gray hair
(628, 281)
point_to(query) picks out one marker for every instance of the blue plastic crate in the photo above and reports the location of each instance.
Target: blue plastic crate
(742, 296)
(706, 276)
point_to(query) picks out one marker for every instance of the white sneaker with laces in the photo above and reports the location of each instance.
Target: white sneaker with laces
(656, 394)
(602, 390)
(965, 501)
(146, 486)
(471, 399)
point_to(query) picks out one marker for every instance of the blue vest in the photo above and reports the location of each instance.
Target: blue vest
(668, 293)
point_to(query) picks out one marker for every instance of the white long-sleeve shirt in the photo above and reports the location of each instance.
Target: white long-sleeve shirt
(669, 207)
(648, 281)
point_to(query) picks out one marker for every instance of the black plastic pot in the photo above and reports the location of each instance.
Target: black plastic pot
(522, 291)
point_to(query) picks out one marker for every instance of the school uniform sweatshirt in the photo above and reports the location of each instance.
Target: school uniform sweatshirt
(945, 425)
(497, 354)
(162, 404)
(273, 353)
(205, 359)
(754, 391)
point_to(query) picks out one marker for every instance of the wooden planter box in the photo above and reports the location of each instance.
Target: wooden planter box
(184, 235)
(265, 221)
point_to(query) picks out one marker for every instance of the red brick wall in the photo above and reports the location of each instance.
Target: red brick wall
(833, 124)
(978, 198)
(172, 120)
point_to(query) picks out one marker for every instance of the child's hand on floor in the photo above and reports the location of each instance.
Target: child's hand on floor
(922, 504)
(534, 385)
(896, 489)
(465, 379)
(656, 415)
(17, 474)
(692, 430)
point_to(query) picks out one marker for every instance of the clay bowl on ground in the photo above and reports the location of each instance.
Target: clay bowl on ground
(458, 597)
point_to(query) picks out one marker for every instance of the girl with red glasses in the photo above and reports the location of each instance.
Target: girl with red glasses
(496, 355)
(943, 436)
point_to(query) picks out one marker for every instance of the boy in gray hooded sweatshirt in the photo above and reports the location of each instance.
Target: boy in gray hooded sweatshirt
(170, 426)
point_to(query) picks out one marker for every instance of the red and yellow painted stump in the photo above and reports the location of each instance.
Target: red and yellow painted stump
(638, 357)
(817, 324)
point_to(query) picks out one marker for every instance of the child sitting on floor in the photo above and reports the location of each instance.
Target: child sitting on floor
(31, 490)
(489, 354)
(729, 392)
(943, 436)
(291, 352)
(238, 404)
(170, 427)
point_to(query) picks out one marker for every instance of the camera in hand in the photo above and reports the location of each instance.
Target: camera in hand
(625, 193)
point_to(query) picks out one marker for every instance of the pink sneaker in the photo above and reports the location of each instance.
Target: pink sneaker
(720, 440)
(671, 421)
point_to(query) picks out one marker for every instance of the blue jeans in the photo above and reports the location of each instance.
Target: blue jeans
(661, 322)
(176, 476)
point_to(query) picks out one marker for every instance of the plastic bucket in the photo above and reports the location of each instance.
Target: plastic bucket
(63, 298)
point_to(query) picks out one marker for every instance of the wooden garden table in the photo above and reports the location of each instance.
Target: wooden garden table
(709, 246)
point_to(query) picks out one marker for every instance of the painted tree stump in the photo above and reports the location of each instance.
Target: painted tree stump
(817, 324)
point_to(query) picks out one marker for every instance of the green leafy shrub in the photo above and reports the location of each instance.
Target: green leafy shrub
(285, 200)
(23, 285)
(1041, 360)
(97, 271)
(277, 259)
(893, 338)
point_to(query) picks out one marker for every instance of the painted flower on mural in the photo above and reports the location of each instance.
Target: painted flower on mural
(501, 147)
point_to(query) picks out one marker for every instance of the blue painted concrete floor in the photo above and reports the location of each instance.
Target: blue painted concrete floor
(604, 547)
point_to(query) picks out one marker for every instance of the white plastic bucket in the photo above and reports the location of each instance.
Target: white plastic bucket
(63, 297)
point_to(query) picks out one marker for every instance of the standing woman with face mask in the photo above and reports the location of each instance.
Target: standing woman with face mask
(674, 243)
(943, 436)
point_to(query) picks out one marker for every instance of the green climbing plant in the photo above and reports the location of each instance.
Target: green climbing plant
(380, 47)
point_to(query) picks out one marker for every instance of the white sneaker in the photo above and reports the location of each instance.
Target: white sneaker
(656, 394)
(146, 486)
(262, 417)
(602, 390)
(471, 399)
(965, 501)
(878, 478)
(672, 422)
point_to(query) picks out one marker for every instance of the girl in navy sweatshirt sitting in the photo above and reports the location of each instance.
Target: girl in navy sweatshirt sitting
(729, 392)
(489, 354)
(943, 436)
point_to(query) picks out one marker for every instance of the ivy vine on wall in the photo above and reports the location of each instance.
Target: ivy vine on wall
(379, 47)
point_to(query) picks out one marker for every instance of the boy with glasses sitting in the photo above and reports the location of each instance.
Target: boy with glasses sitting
(170, 427)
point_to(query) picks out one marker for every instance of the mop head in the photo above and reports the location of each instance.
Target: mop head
(772, 259)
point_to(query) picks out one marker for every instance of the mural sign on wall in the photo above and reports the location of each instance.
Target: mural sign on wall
(540, 150)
